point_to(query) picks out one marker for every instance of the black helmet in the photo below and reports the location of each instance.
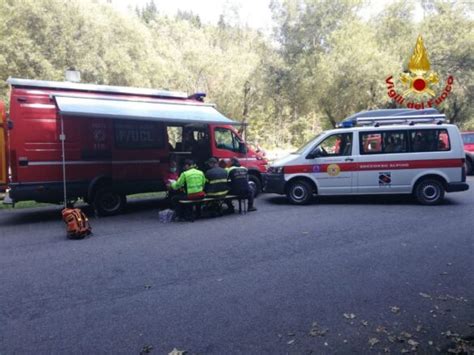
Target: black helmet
(235, 162)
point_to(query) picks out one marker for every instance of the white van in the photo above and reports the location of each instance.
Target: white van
(397, 151)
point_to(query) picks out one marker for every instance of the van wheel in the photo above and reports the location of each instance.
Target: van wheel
(299, 192)
(429, 192)
(255, 182)
(109, 202)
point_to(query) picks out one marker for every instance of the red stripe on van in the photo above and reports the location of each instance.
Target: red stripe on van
(377, 165)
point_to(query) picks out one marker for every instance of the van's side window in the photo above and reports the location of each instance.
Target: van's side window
(370, 143)
(395, 142)
(429, 140)
(226, 139)
(384, 142)
(334, 145)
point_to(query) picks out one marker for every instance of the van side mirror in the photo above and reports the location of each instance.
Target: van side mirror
(242, 148)
(315, 153)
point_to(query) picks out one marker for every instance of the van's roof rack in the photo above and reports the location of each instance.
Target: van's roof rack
(393, 116)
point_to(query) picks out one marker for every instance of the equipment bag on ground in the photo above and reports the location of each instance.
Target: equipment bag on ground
(77, 224)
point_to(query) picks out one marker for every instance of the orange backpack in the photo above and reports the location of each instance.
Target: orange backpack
(77, 224)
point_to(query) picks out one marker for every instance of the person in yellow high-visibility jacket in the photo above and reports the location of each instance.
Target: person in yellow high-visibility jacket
(192, 181)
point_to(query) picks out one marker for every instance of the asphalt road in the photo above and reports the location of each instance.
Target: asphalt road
(343, 275)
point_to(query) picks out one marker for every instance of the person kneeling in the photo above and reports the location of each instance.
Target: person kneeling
(239, 183)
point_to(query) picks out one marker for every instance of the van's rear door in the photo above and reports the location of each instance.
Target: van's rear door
(3, 144)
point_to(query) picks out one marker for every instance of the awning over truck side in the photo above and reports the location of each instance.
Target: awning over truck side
(173, 112)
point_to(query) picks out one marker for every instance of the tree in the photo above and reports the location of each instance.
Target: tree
(322, 64)
(189, 16)
(149, 12)
(449, 28)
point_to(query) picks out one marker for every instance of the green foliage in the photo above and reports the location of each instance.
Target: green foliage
(323, 63)
(449, 31)
(334, 63)
(355, 82)
(395, 31)
(149, 12)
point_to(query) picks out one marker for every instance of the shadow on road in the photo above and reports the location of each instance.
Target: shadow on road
(139, 205)
(358, 200)
(53, 212)
(30, 215)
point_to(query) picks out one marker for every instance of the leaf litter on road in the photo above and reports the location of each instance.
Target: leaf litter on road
(460, 344)
(414, 344)
(395, 309)
(316, 330)
(381, 329)
(373, 341)
(405, 335)
(146, 349)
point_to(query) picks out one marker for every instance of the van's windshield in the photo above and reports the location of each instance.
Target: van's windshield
(307, 144)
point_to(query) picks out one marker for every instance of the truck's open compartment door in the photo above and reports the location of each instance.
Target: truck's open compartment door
(3, 150)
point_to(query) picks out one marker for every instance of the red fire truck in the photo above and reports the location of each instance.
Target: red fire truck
(108, 141)
(3, 148)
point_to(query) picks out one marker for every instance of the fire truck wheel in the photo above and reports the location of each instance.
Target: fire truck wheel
(256, 184)
(299, 192)
(429, 192)
(109, 202)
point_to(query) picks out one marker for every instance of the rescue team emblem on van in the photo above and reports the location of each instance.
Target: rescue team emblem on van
(418, 82)
(385, 179)
(333, 170)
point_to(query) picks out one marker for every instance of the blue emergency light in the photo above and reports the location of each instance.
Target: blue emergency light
(199, 96)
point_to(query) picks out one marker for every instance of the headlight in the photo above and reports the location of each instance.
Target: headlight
(275, 170)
